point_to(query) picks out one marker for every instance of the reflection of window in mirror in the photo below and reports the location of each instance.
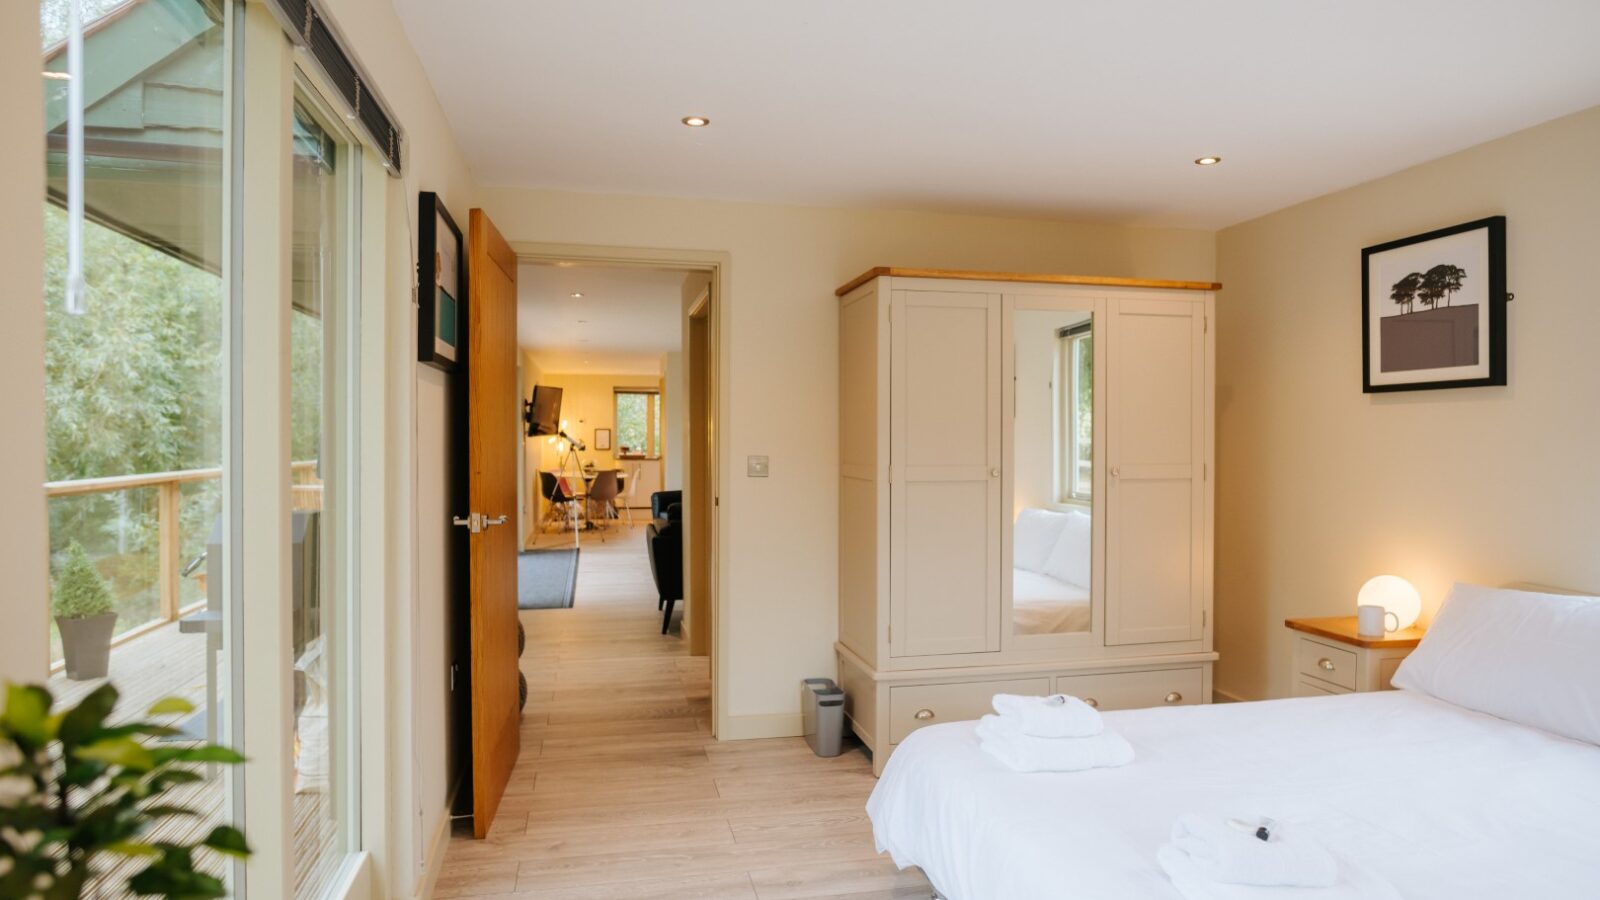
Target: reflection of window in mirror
(1052, 465)
(1075, 437)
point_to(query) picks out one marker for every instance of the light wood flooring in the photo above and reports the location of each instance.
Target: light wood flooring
(621, 792)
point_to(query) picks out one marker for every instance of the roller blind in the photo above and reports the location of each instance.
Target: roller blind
(306, 23)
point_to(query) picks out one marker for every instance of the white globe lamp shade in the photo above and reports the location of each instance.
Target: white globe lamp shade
(1394, 594)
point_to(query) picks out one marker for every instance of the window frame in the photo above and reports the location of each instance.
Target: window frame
(1073, 485)
(653, 424)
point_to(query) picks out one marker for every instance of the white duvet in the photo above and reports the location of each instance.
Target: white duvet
(1044, 605)
(1439, 801)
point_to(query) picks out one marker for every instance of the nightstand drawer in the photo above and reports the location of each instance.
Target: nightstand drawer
(1310, 687)
(1325, 662)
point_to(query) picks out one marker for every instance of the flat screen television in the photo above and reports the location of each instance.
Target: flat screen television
(544, 411)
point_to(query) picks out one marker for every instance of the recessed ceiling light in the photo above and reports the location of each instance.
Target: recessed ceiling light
(576, 295)
(583, 321)
(1208, 160)
(696, 121)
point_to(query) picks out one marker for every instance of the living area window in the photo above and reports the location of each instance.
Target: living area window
(638, 423)
(1075, 422)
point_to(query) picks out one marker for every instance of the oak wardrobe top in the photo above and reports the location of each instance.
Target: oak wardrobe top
(966, 275)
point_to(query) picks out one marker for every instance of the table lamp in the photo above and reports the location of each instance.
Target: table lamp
(1394, 594)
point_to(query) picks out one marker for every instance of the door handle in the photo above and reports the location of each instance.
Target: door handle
(472, 523)
(497, 520)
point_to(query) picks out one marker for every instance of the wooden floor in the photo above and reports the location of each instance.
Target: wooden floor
(621, 792)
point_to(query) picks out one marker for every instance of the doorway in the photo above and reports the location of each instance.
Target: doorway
(668, 411)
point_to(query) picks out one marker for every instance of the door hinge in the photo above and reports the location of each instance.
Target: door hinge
(1205, 324)
(1202, 618)
(1205, 471)
(891, 634)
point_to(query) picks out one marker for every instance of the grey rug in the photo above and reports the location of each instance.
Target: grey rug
(546, 579)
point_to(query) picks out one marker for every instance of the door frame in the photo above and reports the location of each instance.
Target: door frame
(717, 264)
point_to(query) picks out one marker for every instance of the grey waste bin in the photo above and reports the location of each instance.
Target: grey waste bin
(822, 715)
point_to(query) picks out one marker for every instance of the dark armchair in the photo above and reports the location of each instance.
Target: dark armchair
(664, 539)
(661, 503)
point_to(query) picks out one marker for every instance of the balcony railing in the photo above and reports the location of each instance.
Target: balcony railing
(305, 494)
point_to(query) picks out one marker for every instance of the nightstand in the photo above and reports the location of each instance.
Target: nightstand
(1331, 658)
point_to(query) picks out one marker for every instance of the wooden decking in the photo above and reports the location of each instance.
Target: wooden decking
(165, 663)
(621, 792)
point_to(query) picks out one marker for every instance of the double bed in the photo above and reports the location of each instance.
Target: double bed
(1432, 798)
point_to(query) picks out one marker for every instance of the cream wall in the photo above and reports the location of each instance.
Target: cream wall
(781, 375)
(1320, 486)
(674, 419)
(420, 770)
(24, 604)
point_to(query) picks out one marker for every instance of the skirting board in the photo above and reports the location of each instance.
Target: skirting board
(436, 851)
(770, 725)
(355, 882)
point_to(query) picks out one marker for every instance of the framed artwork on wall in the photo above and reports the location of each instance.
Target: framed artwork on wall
(441, 284)
(602, 439)
(1433, 309)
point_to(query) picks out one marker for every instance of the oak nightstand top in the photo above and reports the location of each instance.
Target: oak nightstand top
(1343, 630)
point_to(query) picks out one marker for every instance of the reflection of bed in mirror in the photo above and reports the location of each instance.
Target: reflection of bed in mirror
(1050, 572)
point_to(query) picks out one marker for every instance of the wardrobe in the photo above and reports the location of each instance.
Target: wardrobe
(1025, 494)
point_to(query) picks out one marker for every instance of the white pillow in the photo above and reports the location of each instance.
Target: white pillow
(1069, 559)
(1530, 658)
(1034, 536)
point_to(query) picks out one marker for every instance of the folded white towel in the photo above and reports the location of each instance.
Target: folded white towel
(1354, 883)
(1025, 753)
(1056, 716)
(1231, 855)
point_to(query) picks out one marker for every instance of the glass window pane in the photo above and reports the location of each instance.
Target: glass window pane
(321, 596)
(136, 373)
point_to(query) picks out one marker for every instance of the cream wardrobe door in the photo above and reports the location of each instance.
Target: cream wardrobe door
(1155, 442)
(944, 491)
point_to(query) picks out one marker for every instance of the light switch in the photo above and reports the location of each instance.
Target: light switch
(756, 467)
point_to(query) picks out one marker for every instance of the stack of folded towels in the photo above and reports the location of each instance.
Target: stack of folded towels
(1050, 734)
(1213, 858)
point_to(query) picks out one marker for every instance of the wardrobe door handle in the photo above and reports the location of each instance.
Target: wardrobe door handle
(1092, 702)
(1116, 471)
(1326, 664)
(923, 715)
(1174, 697)
(994, 473)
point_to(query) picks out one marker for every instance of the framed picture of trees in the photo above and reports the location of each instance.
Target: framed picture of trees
(1433, 309)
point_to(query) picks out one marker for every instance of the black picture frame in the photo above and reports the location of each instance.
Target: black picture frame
(441, 307)
(1487, 367)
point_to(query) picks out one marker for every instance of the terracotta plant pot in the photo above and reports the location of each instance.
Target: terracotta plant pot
(86, 644)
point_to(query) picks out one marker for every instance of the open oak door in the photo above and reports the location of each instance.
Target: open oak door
(492, 446)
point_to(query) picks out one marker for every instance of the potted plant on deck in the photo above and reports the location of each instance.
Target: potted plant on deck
(84, 615)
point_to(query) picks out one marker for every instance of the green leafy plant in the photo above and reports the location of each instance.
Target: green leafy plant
(80, 592)
(75, 790)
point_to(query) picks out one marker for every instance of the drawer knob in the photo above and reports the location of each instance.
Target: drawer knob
(1174, 697)
(1092, 702)
(1326, 664)
(923, 714)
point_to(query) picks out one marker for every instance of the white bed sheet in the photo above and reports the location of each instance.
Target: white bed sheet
(1440, 801)
(1044, 605)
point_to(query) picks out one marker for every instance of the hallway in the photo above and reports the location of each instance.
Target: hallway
(621, 792)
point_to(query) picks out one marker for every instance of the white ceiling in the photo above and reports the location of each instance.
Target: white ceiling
(627, 317)
(1049, 108)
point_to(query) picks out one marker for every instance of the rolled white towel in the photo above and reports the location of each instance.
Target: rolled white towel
(1026, 753)
(1056, 716)
(1223, 852)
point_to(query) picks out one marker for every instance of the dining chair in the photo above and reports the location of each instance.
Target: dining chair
(632, 492)
(559, 500)
(603, 493)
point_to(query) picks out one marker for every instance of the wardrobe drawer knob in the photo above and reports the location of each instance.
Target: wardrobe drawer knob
(1092, 702)
(923, 714)
(1174, 697)
(1326, 664)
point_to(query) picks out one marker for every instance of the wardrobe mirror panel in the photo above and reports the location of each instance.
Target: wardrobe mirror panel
(1053, 472)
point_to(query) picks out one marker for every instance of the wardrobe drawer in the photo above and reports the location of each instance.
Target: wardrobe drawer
(1133, 690)
(1325, 662)
(912, 706)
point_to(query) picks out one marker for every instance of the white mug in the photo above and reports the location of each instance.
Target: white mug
(1372, 620)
